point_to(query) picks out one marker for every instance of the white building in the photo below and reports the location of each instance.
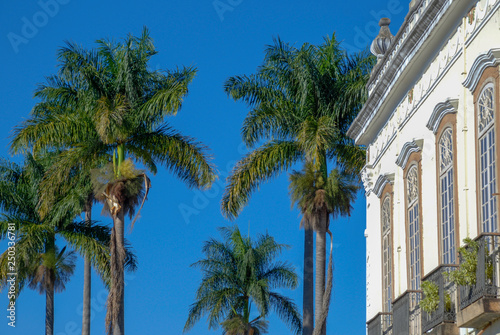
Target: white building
(431, 126)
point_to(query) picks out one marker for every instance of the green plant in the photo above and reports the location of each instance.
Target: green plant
(447, 301)
(430, 301)
(466, 273)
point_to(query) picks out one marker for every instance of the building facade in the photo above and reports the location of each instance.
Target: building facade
(431, 126)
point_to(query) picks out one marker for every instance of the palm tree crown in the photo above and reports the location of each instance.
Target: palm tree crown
(237, 274)
(302, 102)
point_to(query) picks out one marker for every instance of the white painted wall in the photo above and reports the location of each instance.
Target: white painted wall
(441, 80)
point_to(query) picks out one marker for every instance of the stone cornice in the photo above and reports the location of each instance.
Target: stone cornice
(393, 114)
(491, 58)
(382, 180)
(396, 57)
(400, 61)
(441, 109)
(407, 150)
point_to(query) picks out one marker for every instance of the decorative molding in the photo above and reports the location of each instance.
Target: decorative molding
(382, 180)
(366, 178)
(424, 86)
(491, 58)
(450, 106)
(407, 150)
(421, 19)
(384, 77)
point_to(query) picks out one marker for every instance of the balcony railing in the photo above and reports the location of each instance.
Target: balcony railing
(446, 310)
(487, 271)
(381, 324)
(406, 314)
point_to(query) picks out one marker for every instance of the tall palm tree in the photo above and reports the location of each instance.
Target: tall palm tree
(318, 199)
(52, 270)
(302, 101)
(237, 274)
(39, 264)
(61, 96)
(115, 107)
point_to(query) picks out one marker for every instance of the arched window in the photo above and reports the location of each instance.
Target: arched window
(447, 195)
(387, 253)
(487, 159)
(413, 215)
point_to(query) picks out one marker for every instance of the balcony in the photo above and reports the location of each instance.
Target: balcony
(479, 303)
(406, 313)
(442, 320)
(381, 324)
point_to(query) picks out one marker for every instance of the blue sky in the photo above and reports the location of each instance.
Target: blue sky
(221, 38)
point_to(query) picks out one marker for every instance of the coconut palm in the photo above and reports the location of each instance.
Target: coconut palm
(318, 199)
(302, 102)
(39, 263)
(237, 274)
(110, 105)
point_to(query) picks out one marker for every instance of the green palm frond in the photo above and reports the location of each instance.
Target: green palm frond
(312, 195)
(35, 234)
(185, 157)
(52, 268)
(286, 310)
(308, 95)
(238, 273)
(167, 94)
(258, 166)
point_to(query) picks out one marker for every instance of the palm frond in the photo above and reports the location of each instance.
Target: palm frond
(257, 167)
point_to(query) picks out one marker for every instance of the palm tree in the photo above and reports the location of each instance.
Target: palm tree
(51, 119)
(302, 101)
(110, 105)
(39, 264)
(52, 270)
(318, 199)
(238, 273)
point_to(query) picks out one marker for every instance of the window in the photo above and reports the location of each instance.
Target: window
(413, 215)
(447, 195)
(386, 254)
(487, 159)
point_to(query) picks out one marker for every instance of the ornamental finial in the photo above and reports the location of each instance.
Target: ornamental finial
(382, 42)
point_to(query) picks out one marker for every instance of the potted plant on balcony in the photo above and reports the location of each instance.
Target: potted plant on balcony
(465, 275)
(430, 302)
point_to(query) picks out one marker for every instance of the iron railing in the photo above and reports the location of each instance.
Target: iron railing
(381, 324)
(406, 314)
(446, 310)
(487, 271)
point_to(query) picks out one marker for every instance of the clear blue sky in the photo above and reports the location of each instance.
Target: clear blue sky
(220, 42)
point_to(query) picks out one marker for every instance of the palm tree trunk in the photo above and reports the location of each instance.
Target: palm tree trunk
(320, 273)
(328, 293)
(117, 275)
(50, 245)
(87, 276)
(308, 295)
(49, 310)
(321, 250)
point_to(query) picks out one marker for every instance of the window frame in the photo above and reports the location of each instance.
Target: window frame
(387, 192)
(415, 159)
(449, 121)
(490, 76)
